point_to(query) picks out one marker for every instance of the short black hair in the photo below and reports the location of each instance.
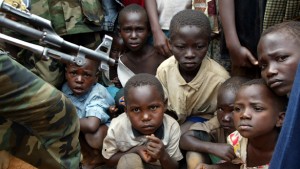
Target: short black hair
(291, 28)
(190, 17)
(233, 84)
(143, 79)
(132, 8)
(280, 101)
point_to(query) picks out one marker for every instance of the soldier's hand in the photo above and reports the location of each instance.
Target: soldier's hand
(4, 159)
(17, 4)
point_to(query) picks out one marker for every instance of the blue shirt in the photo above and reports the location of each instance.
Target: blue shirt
(93, 103)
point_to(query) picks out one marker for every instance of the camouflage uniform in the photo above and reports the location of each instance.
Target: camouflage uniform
(77, 21)
(33, 109)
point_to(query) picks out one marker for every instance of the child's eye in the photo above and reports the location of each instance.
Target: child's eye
(87, 75)
(220, 109)
(258, 109)
(179, 46)
(73, 73)
(263, 66)
(200, 46)
(136, 110)
(282, 58)
(153, 108)
(236, 109)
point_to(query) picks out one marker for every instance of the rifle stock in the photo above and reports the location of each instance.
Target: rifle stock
(47, 36)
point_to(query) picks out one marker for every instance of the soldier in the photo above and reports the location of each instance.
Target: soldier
(33, 109)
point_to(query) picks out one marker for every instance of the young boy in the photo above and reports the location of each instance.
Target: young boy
(190, 79)
(258, 116)
(144, 136)
(141, 57)
(279, 55)
(92, 101)
(206, 145)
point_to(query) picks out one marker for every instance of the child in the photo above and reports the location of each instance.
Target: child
(191, 79)
(92, 101)
(143, 136)
(141, 57)
(279, 55)
(202, 141)
(258, 116)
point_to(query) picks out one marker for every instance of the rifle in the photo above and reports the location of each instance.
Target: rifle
(47, 36)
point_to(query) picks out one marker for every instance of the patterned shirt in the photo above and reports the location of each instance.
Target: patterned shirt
(94, 103)
(239, 144)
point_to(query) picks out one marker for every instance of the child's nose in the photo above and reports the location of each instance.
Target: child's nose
(146, 116)
(189, 53)
(271, 70)
(79, 79)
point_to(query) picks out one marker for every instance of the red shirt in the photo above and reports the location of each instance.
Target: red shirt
(128, 2)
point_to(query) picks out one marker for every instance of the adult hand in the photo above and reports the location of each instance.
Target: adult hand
(161, 43)
(242, 57)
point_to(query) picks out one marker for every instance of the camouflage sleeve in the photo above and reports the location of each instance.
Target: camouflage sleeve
(27, 100)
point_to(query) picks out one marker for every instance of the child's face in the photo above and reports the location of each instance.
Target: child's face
(189, 46)
(145, 108)
(117, 48)
(279, 56)
(134, 30)
(225, 109)
(255, 111)
(80, 79)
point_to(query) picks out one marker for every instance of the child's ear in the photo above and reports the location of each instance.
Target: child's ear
(165, 104)
(280, 119)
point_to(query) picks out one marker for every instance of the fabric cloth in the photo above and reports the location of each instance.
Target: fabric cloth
(211, 127)
(93, 103)
(30, 105)
(121, 137)
(278, 11)
(70, 17)
(240, 144)
(124, 73)
(134, 161)
(216, 134)
(196, 98)
(168, 8)
(286, 153)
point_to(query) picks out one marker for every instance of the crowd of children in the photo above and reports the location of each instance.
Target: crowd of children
(177, 107)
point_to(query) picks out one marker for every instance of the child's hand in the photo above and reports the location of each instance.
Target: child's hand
(155, 147)
(4, 159)
(224, 151)
(142, 151)
(113, 111)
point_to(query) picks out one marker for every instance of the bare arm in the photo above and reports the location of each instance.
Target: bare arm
(240, 56)
(190, 143)
(89, 124)
(160, 41)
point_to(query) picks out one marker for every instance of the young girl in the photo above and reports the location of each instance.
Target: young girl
(258, 116)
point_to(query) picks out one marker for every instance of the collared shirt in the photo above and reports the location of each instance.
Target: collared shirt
(121, 138)
(197, 97)
(93, 103)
